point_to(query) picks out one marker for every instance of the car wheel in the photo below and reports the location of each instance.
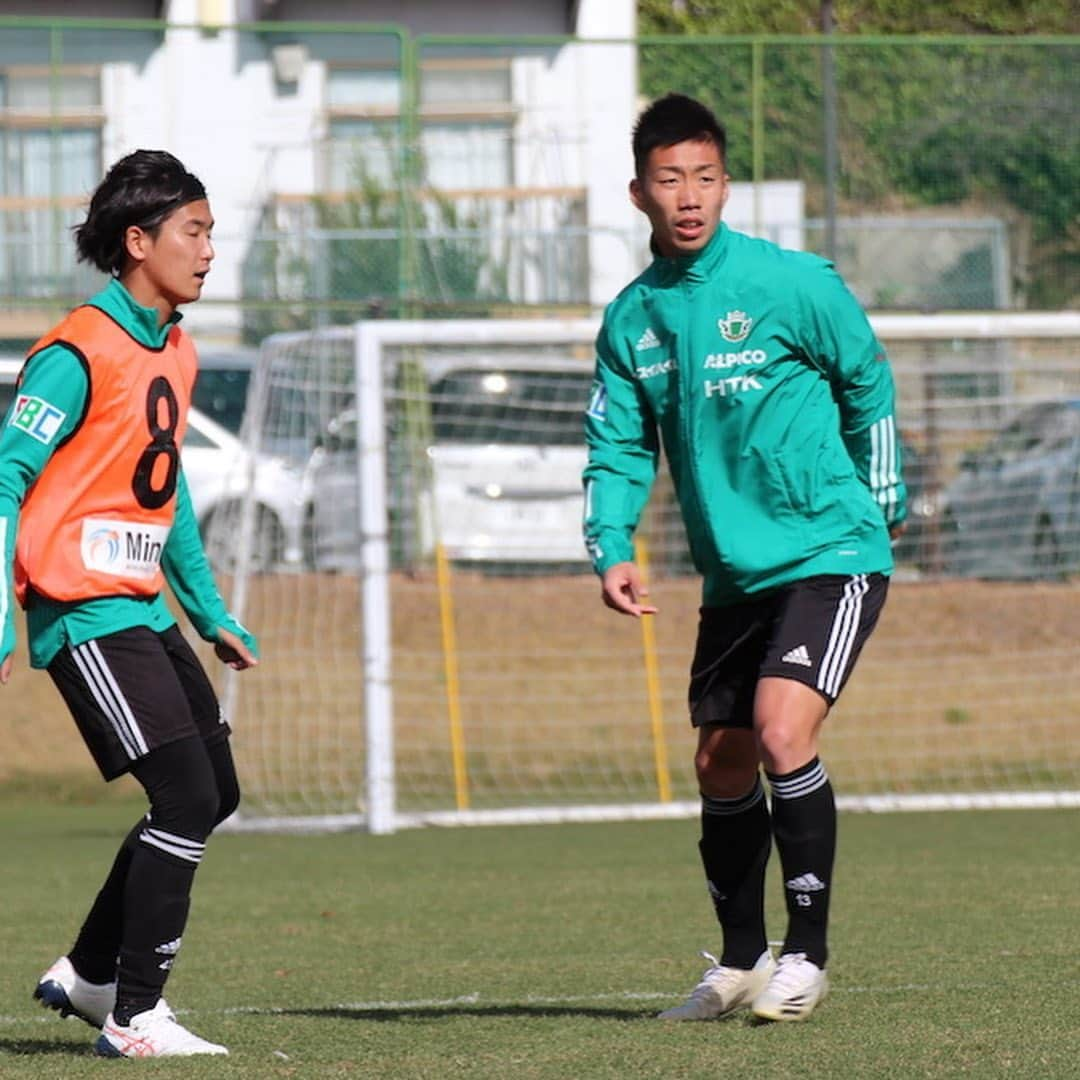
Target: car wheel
(950, 559)
(221, 538)
(1046, 555)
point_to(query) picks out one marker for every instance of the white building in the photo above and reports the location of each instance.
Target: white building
(298, 128)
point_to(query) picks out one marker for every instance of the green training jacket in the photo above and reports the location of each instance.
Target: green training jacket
(760, 375)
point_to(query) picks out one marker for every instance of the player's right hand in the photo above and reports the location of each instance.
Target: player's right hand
(231, 650)
(623, 589)
(6, 666)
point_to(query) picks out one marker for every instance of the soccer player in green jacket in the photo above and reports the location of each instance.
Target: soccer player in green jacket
(758, 372)
(95, 519)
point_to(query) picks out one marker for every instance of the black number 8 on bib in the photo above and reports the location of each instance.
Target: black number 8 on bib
(162, 441)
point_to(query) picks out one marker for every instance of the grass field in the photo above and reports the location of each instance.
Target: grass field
(543, 952)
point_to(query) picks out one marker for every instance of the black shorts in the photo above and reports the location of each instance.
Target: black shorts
(133, 691)
(811, 631)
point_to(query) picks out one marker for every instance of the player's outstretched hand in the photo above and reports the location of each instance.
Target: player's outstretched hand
(5, 668)
(232, 651)
(623, 590)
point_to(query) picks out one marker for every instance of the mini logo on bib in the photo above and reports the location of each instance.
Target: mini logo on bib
(123, 548)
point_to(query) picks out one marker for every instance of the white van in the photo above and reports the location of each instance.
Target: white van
(501, 484)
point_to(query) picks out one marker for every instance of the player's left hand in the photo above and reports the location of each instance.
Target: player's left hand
(6, 666)
(624, 590)
(231, 650)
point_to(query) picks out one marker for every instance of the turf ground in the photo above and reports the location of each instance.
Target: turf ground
(543, 952)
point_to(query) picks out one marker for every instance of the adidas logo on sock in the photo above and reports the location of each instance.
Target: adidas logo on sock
(715, 893)
(648, 340)
(805, 883)
(798, 655)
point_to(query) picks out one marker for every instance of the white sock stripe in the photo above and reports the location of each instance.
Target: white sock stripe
(175, 838)
(842, 635)
(799, 786)
(100, 689)
(728, 807)
(147, 836)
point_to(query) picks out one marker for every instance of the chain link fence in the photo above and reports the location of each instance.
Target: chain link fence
(367, 171)
(364, 172)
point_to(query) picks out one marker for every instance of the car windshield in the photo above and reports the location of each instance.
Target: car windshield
(1038, 428)
(519, 407)
(221, 393)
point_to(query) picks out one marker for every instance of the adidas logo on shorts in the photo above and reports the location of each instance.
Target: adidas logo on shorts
(799, 655)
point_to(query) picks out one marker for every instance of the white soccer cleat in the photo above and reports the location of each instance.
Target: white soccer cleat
(154, 1033)
(63, 989)
(723, 990)
(794, 990)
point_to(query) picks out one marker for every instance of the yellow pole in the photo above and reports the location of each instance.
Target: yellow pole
(652, 684)
(450, 668)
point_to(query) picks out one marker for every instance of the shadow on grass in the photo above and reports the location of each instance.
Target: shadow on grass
(444, 1012)
(41, 1047)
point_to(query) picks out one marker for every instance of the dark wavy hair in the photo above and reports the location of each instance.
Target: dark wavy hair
(672, 119)
(142, 189)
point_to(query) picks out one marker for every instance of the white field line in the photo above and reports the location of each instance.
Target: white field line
(465, 1000)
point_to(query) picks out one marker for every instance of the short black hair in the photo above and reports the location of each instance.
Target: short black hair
(141, 189)
(672, 119)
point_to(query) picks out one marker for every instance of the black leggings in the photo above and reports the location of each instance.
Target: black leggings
(191, 785)
(143, 904)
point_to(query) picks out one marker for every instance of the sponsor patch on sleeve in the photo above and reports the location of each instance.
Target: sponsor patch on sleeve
(37, 418)
(598, 402)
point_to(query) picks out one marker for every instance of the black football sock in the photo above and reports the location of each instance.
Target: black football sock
(804, 824)
(183, 784)
(156, 900)
(735, 845)
(96, 948)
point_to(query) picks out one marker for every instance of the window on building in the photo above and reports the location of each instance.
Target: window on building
(465, 120)
(50, 160)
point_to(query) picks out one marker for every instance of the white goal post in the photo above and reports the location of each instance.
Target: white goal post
(442, 654)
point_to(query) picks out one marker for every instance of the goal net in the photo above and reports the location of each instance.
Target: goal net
(439, 651)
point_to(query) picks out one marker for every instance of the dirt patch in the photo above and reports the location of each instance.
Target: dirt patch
(964, 684)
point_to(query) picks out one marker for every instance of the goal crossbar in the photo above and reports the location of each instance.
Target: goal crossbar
(376, 348)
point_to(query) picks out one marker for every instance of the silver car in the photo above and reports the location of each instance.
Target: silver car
(1013, 510)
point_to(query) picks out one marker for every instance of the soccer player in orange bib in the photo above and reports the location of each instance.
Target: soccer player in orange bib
(95, 519)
